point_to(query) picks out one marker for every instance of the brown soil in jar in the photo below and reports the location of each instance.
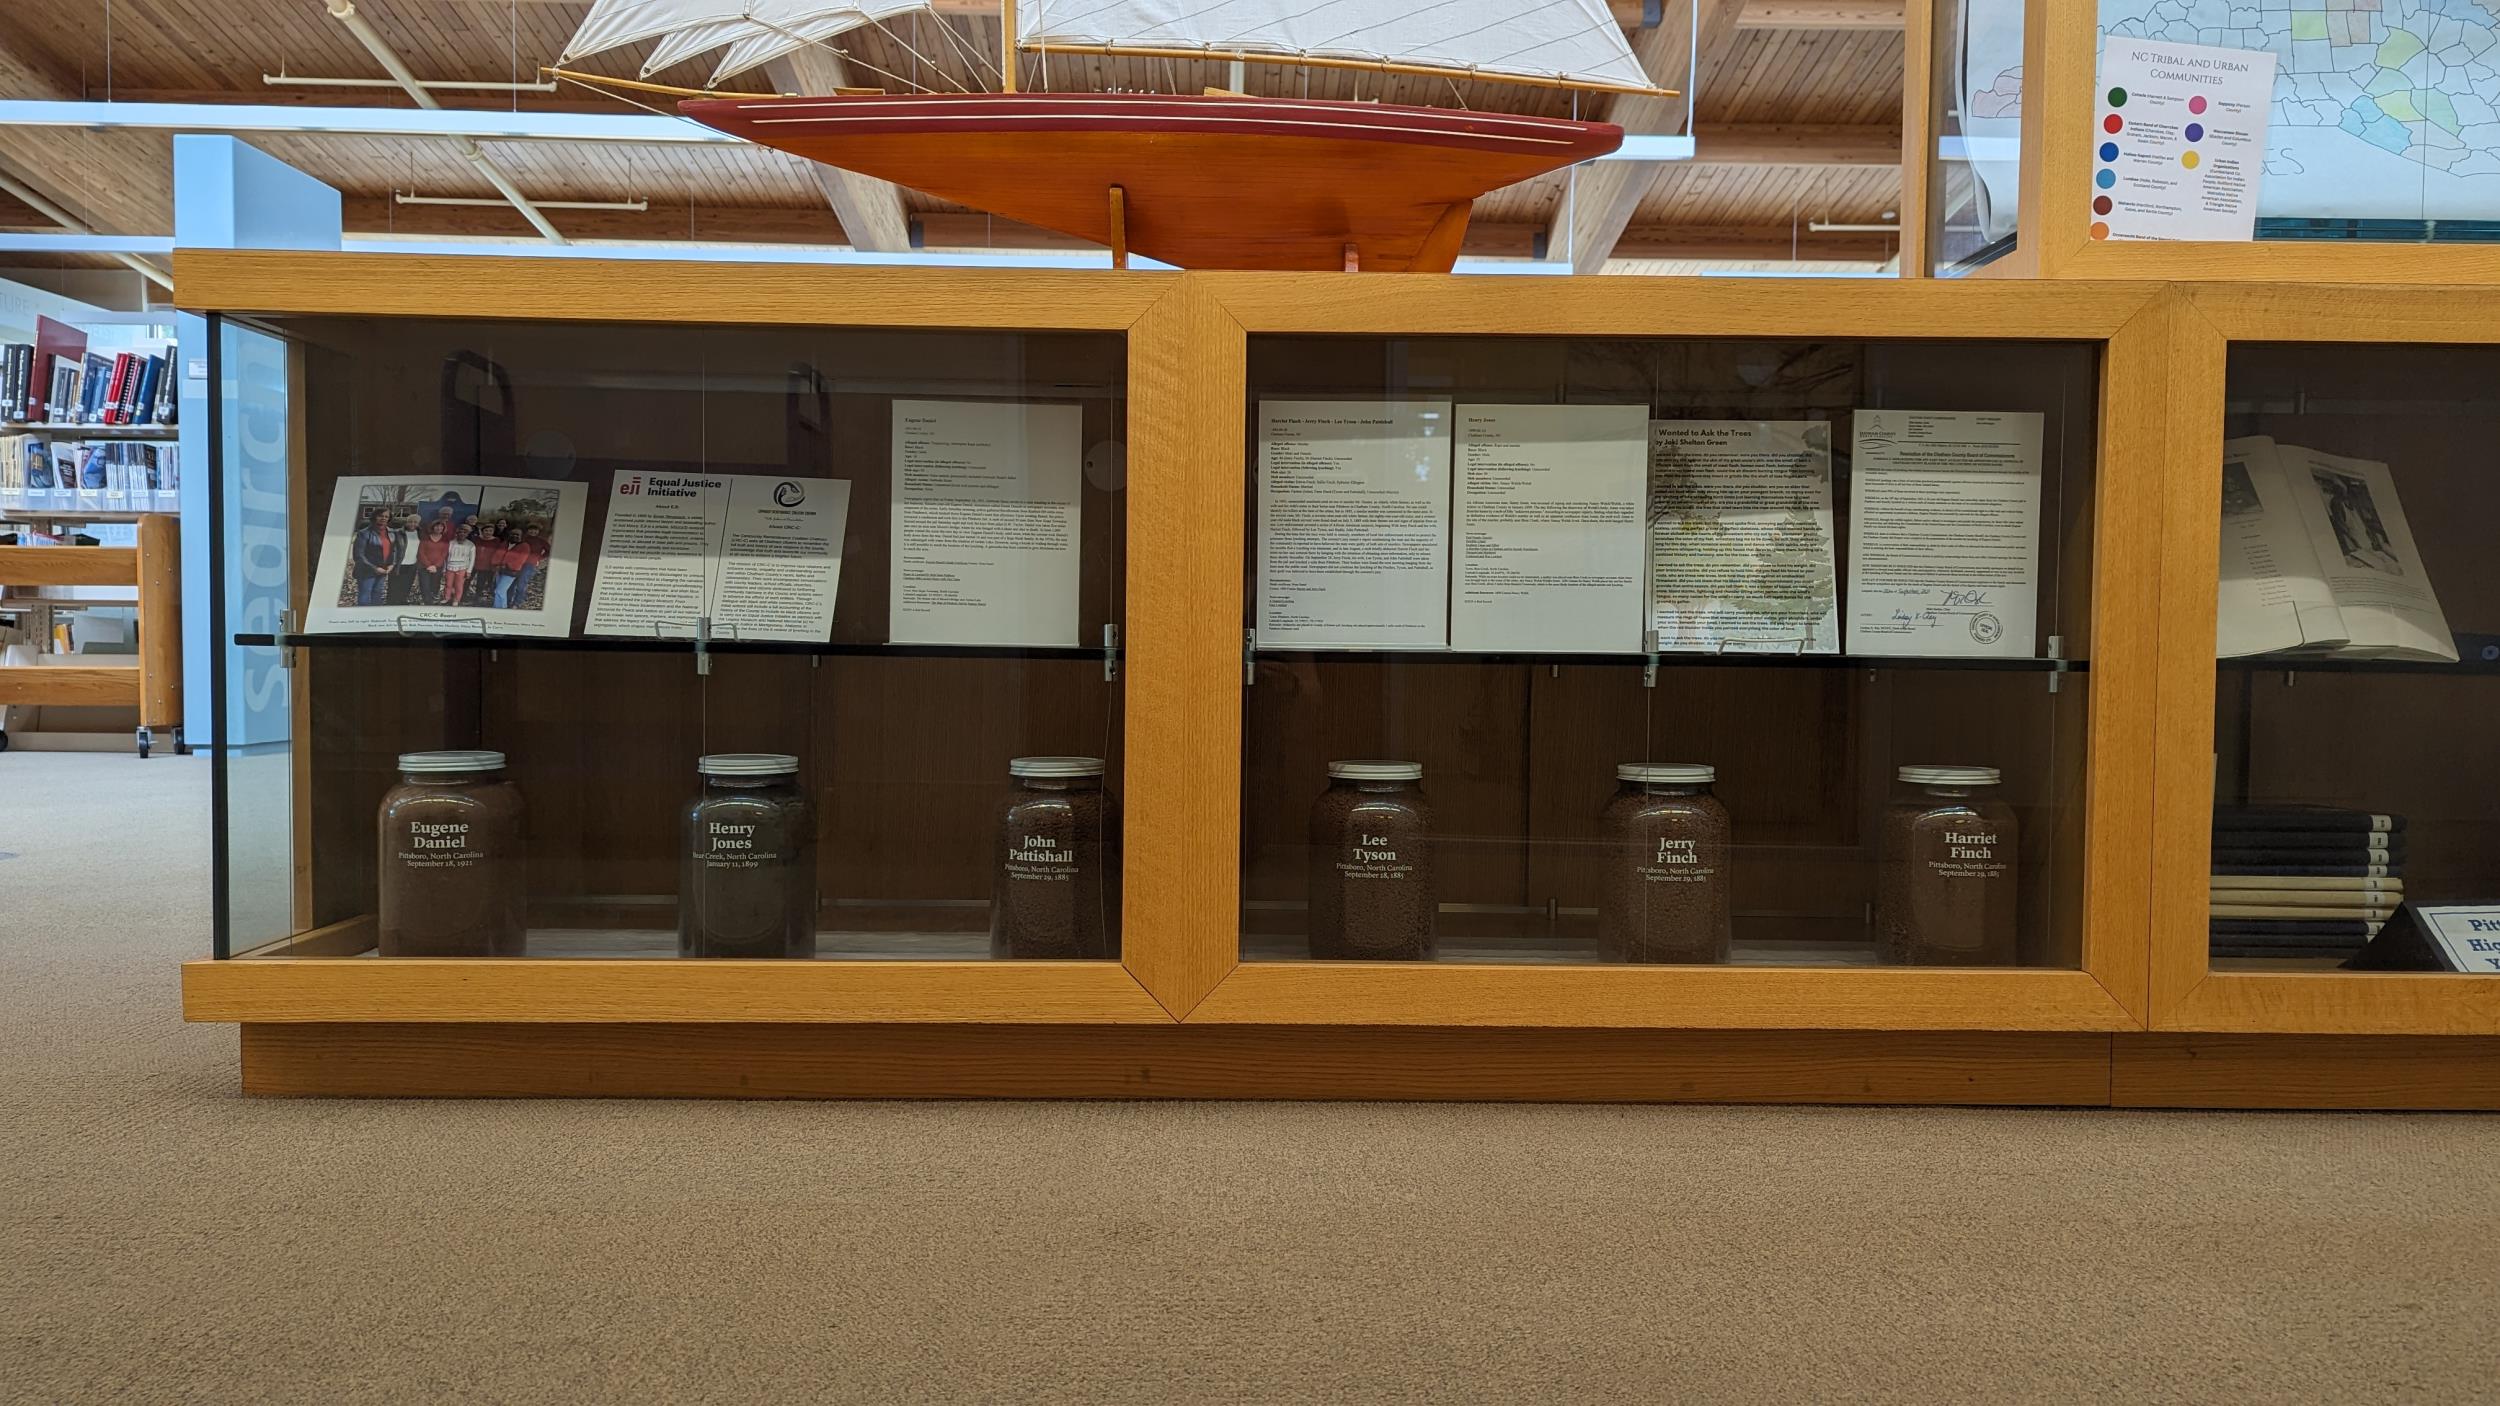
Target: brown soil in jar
(1055, 892)
(1665, 894)
(453, 881)
(1947, 892)
(1372, 893)
(748, 885)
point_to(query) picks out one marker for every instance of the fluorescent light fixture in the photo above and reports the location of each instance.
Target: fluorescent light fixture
(86, 244)
(365, 122)
(639, 128)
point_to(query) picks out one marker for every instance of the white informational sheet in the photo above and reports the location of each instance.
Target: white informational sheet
(1549, 541)
(2180, 146)
(1944, 533)
(758, 555)
(987, 522)
(1740, 536)
(2272, 595)
(2366, 556)
(448, 555)
(1354, 524)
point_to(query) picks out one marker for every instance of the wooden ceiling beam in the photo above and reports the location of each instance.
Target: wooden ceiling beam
(1604, 195)
(115, 182)
(871, 210)
(1821, 14)
(1797, 144)
(1753, 244)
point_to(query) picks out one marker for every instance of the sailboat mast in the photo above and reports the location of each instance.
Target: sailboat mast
(1007, 46)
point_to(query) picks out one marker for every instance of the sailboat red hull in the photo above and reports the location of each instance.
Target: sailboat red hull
(1219, 181)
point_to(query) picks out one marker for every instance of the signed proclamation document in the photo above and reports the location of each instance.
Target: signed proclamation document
(1740, 536)
(1944, 533)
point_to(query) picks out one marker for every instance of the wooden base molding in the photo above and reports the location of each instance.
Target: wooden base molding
(2305, 1071)
(801, 1061)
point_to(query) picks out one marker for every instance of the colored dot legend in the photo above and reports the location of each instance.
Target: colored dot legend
(2109, 151)
(2196, 131)
(2118, 98)
(2188, 159)
(2106, 179)
(2114, 124)
(2197, 103)
(2099, 230)
(2100, 205)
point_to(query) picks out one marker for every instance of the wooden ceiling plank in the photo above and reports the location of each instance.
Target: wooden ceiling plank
(871, 210)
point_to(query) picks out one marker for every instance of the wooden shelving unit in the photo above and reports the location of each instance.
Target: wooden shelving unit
(151, 681)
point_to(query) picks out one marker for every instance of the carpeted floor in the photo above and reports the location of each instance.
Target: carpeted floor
(162, 1239)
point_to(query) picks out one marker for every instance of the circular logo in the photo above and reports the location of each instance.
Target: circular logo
(1986, 628)
(788, 494)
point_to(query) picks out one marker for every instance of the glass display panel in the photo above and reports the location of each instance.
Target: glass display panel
(1769, 652)
(1975, 173)
(646, 641)
(2358, 635)
(2381, 125)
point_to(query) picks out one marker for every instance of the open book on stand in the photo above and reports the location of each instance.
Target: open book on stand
(2317, 559)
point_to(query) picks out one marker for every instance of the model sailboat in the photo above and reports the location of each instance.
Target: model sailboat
(1209, 180)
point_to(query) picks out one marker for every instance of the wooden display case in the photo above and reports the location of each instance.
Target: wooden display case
(2384, 373)
(2127, 1013)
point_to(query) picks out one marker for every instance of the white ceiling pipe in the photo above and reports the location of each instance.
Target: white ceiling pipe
(71, 222)
(404, 198)
(289, 80)
(344, 11)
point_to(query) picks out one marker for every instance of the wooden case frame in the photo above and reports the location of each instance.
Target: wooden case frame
(1187, 341)
(368, 989)
(1207, 982)
(2187, 994)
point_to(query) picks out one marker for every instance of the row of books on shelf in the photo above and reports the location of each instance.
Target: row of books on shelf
(56, 380)
(2303, 881)
(44, 473)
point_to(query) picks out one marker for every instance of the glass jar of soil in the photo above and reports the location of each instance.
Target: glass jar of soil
(453, 880)
(747, 886)
(1664, 897)
(1372, 895)
(1055, 891)
(1950, 868)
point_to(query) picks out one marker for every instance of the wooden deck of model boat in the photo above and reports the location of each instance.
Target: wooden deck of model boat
(1218, 181)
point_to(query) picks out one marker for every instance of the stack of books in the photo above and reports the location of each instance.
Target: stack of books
(2303, 881)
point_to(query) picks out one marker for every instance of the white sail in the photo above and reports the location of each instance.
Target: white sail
(1575, 41)
(755, 32)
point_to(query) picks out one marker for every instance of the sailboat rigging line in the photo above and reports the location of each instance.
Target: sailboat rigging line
(918, 57)
(1479, 75)
(973, 62)
(563, 77)
(601, 82)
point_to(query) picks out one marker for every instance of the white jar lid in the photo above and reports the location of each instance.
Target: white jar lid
(1667, 773)
(1375, 771)
(1039, 767)
(442, 763)
(1950, 775)
(747, 764)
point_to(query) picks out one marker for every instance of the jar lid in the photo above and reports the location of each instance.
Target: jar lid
(1039, 767)
(445, 763)
(1667, 773)
(747, 764)
(1375, 771)
(1950, 775)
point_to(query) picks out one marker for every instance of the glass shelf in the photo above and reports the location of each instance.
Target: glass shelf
(1675, 660)
(620, 645)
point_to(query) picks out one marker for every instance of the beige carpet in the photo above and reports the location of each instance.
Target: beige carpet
(162, 1239)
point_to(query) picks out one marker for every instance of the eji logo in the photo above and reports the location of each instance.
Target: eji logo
(631, 485)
